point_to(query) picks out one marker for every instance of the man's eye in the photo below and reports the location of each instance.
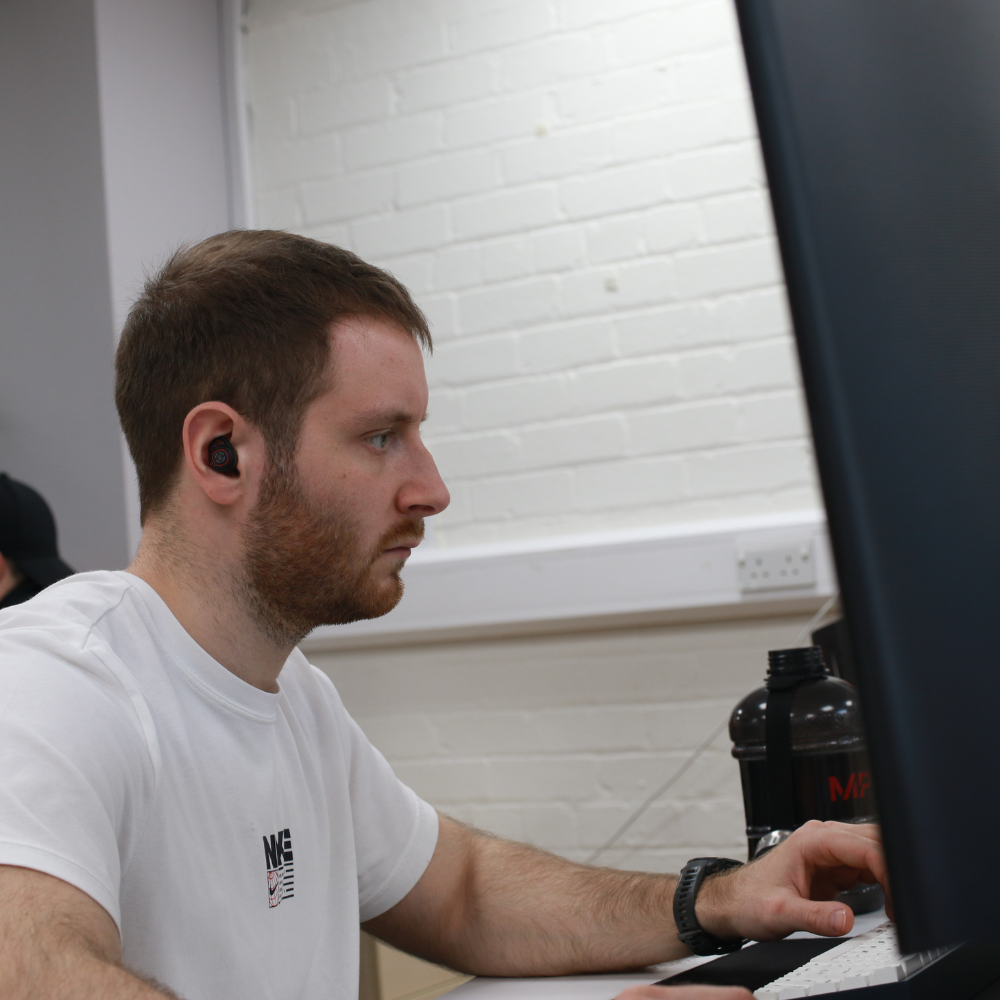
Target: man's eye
(380, 440)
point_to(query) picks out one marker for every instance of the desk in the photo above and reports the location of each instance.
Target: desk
(601, 987)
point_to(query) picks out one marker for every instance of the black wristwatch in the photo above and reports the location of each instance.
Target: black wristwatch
(688, 929)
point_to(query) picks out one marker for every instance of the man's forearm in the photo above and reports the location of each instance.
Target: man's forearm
(497, 908)
(581, 919)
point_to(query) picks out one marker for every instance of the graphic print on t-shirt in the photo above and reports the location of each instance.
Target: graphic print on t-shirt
(280, 871)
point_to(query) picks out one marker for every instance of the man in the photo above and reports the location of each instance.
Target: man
(183, 799)
(29, 558)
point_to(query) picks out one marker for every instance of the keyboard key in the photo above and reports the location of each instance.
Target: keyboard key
(855, 981)
(834, 953)
(821, 986)
(887, 974)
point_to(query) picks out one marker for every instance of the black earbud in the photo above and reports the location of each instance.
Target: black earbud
(222, 456)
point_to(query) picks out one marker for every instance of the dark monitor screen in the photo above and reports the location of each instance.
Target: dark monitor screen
(880, 124)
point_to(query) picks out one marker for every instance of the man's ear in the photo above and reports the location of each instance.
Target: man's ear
(205, 423)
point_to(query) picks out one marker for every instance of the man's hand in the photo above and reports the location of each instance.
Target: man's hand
(794, 886)
(791, 888)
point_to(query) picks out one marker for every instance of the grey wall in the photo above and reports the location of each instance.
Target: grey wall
(171, 147)
(58, 429)
(164, 132)
(120, 132)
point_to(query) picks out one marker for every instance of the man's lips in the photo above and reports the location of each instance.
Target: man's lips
(402, 549)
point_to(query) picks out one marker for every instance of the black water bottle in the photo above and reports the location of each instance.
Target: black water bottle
(802, 753)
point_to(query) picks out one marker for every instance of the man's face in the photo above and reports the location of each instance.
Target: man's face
(327, 538)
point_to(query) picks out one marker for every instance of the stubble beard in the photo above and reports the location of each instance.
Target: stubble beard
(305, 566)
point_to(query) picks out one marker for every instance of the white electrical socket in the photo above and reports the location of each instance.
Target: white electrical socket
(779, 568)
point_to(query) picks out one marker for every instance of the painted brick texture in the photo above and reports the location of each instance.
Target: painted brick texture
(572, 189)
(555, 740)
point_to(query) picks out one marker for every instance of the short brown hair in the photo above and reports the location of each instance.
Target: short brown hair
(242, 317)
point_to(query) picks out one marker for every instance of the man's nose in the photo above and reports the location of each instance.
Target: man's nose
(425, 494)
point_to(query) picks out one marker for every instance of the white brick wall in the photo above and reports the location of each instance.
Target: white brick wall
(556, 739)
(572, 189)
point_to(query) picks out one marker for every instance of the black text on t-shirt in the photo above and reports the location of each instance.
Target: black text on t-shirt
(280, 871)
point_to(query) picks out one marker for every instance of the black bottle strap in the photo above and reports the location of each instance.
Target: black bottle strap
(778, 737)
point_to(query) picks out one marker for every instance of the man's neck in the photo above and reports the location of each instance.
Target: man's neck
(202, 596)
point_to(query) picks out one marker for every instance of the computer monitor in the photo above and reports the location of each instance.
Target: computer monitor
(880, 124)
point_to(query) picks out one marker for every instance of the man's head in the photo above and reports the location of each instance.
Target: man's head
(243, 318)
(309, 360)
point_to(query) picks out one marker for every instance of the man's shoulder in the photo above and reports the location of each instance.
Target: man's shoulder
(62, 682)
(68, 609)
(54, 645)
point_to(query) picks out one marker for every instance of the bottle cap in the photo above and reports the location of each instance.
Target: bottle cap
(803, 661)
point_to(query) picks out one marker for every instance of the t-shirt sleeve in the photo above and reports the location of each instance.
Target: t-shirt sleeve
(76, 771)
(395, 831)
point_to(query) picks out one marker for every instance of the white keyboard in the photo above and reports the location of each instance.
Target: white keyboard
(870, 959)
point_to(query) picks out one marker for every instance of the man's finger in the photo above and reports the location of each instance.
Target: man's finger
(829, 919)
(834, 845)
(870, 830)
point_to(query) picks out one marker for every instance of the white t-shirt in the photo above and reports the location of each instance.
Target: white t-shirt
(236, 837)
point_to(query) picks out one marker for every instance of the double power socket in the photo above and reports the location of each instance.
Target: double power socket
(782, 567)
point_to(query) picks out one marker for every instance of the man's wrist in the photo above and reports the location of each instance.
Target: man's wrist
(713, 905)
(691, 930)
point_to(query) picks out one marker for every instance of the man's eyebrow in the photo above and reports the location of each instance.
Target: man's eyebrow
(387, 417)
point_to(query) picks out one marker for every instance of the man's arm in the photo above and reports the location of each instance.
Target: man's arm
(492, 907)
(497, 908)
(55, 941)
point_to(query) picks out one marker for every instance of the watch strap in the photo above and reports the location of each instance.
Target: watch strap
(690, 932)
